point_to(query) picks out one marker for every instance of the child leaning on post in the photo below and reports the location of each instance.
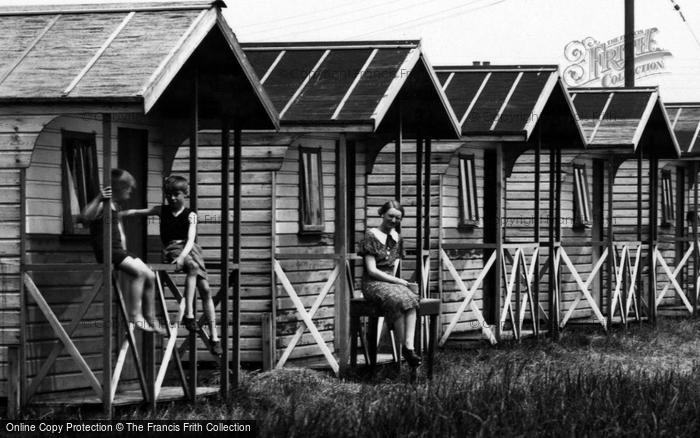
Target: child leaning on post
(178, 231)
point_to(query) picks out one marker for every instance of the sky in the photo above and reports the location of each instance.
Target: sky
(458, 32)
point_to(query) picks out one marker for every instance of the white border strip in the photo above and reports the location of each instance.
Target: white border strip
(30, 48)
(506, 100)
(473, 102)
(600, 119)
(340, 106)
(99, 53)
(303, 84)
(675, 119)
(695, 138)
(272, 67)
(447, 82)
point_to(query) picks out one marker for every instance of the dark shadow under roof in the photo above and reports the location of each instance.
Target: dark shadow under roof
(623, 119)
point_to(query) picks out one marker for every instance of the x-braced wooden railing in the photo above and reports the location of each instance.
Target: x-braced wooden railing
(583, 285)
(627, 275)
(522, 271)
(672, 276)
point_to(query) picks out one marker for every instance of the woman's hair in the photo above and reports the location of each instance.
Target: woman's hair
(176, 183)
(391, 204)
(122, 179)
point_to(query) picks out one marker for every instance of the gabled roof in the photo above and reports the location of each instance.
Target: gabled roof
(685, 120)
(346, 83)
(620, 117)
(498, 101)
(122, 52)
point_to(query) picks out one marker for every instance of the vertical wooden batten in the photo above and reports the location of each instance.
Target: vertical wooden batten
(653, 213)
(225, 195)
(23, 316)
(498, 265)
(194, 155)
(696, 251)
(236, 279)
(610, 240)
(536, 274)
(342, 294)
(107, 266)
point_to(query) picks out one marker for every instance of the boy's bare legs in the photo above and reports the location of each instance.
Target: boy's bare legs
(141, 294)
(208, 305)
(190, 283)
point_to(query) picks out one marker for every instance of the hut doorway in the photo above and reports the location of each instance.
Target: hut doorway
(132, 156)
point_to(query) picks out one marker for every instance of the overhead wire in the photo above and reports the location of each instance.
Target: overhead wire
(687, 25)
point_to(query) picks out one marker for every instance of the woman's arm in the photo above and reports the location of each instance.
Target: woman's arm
(373, 272)
(191, 235)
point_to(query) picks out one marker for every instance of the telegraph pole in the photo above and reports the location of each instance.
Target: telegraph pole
(629, 43)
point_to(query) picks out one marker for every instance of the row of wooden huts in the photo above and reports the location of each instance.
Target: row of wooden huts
(529, 206)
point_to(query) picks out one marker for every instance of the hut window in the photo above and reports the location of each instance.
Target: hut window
(468, 209)
(582, 209)
(80, 178)
(667, 198)
(311, 190)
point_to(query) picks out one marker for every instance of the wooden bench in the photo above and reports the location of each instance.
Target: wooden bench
(360, 307)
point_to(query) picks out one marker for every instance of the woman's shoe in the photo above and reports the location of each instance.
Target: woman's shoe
(190, 324)
(411, 357)
(215, 348)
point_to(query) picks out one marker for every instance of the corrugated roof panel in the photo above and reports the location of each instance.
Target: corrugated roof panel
(519, 109)
(288, 75)
(60, 55)
(383, 69)
(489, 102)
(329, 84)
(135, 54)
(627, 106)
(261, 60)
(462, 89)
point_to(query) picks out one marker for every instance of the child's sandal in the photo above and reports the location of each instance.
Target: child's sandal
(215, 348)
(190, 324)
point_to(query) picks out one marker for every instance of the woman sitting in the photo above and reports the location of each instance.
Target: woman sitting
(382, 249)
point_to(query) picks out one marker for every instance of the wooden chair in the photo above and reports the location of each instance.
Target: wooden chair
(360, 307)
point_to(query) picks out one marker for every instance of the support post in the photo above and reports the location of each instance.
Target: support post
(639, 282)
(398, 176)
(419, 212)
(536, 274)
(498, 268)
(696, 251)
(653, 216)
(610, 241)
(225, 265)
(342, 294)
(13, 381)
(107, 267)
(23, 311)
(553, 326)
(629, 43)
(557, 229)
(236, 273)
(194, 197)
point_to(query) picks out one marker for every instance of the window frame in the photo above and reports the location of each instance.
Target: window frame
(668, 214)
(467, 192)
(304, 227)
(68, 139)
(582, 209)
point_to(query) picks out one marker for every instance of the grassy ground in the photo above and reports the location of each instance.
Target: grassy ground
(642, 382)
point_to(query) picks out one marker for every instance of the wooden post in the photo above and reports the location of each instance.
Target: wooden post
(536, 274)
(225, 289)
(553, 326)
(236, 273)
(640, 159)
(653, 214)
(696, 251)
(194, 198)
(273, 277)
(557, 228)
(107, 267)
(629, 43)
(342, 294)
(13, 381)
(23, 310)
(498, 268)
(610, 240)
(419, 212)
(398, 176)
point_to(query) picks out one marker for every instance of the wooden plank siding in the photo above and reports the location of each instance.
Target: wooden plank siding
(47, 243)
(9, 267)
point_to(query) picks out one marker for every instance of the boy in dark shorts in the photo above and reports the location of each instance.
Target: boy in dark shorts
(178, 231)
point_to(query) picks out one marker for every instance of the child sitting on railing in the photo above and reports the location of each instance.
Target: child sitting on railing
(178, 231)
(141, 279)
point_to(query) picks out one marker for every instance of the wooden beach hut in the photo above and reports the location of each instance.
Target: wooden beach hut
(627, 132)
(679, 202)
(491, 204)
(84, 88)
(304, 190)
